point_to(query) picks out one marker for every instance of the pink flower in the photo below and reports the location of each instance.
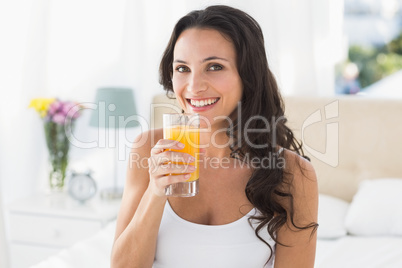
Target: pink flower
(59, 118)
(57, 111)
(54, 107)
(71, 109)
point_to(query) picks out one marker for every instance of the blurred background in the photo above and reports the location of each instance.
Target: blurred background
(69, 49)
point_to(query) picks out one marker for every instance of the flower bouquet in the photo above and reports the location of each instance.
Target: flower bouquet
(58, 119)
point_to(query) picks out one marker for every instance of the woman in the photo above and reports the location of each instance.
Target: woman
(216, 59)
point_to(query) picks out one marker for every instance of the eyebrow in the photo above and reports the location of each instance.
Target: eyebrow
(204, 60)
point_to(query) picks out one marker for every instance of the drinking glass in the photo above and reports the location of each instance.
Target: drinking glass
(184, 128)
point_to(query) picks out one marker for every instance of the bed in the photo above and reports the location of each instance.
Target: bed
(355, 146)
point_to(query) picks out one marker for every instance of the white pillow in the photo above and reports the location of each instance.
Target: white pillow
(376, 208)
(331, 217)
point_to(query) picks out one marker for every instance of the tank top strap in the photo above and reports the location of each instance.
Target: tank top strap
(278, 153)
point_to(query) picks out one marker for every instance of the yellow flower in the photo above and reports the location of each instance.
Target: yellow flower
(41, 105)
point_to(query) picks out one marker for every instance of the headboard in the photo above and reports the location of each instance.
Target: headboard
(348, 138)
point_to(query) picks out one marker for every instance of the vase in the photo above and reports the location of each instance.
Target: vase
(58, 144)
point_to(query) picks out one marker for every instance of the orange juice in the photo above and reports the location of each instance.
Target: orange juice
(190, 137)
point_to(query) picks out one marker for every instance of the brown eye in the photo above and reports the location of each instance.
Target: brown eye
(182, 69)
(215, 67)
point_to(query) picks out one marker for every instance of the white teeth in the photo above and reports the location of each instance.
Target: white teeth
(202, 102)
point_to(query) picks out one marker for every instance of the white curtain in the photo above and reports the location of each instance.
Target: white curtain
(67, 49)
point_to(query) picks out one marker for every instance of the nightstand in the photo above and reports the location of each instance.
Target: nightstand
(42, 225)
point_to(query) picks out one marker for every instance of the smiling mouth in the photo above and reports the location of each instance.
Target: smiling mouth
(202, 103)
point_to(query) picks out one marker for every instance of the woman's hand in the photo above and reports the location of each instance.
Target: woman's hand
(164, 168)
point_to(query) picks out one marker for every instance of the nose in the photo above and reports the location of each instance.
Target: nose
(197, 83)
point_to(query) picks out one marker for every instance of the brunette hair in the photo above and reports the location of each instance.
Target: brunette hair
(261, 98)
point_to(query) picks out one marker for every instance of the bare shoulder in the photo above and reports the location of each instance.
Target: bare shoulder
(300, 168)
(300, 180)
(299, 232)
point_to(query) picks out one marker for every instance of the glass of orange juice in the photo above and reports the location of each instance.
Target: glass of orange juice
(184, 128)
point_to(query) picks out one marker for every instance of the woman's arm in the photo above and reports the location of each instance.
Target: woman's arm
(302, 243)
(142, 204)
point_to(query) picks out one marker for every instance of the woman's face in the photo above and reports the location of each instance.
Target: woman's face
(205, 77)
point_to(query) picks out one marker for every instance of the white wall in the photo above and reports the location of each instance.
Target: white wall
(68, 49)
(3, 241)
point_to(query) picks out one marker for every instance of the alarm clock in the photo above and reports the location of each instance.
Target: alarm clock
(81, 186)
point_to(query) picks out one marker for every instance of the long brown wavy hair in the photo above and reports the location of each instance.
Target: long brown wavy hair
(260, 99)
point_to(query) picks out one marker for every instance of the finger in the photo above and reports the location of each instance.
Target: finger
(171, 168)
(163, 144)
(172, 179)
(173, 156)
(161, 183)
(176, 158)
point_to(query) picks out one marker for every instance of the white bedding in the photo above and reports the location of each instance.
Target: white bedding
(93, 252)
(358, 251)
(345, 252)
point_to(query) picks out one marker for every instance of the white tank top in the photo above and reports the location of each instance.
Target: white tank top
(183, 244)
